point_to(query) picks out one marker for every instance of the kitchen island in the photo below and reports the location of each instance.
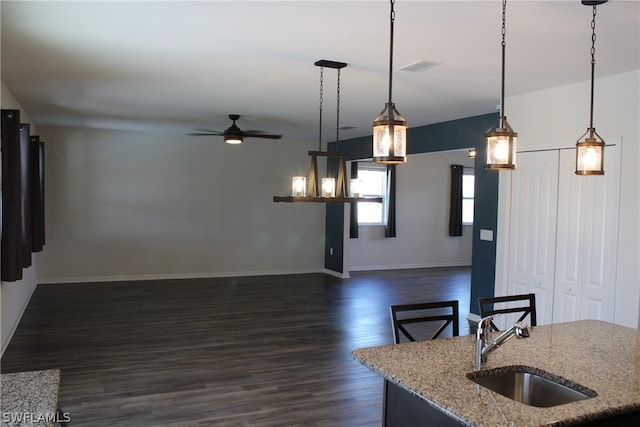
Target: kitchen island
(598, 355)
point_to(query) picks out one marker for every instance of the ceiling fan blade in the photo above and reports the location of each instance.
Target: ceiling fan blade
(258, 134)
(201, 132)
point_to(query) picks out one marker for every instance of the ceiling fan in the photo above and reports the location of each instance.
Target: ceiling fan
(235, 135)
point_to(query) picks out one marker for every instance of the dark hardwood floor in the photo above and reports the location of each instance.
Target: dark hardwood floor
(245, 351)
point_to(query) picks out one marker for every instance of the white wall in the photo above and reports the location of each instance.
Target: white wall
(135, 205)
(562, 114)
(423, 187)
(14, 296)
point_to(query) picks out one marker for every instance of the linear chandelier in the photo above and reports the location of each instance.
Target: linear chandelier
(334, 189)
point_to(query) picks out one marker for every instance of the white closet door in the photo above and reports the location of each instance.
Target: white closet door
(532, 234)
(587, 240)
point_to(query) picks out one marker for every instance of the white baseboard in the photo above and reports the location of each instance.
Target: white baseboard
(337, 274)
(410, 266)
(142, 277)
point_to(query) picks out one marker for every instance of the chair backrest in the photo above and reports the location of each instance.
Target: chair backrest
(527, 306)
(443, 311)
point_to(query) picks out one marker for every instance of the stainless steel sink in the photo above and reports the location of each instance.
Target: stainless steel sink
(531, 386)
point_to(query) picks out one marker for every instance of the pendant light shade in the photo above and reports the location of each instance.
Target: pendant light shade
(590, 150)
(502, 141)
(501, 147)
(389, 127)
(390, 136)
(590, 155)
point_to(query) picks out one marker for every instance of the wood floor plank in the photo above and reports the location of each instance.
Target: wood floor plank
(244, 351)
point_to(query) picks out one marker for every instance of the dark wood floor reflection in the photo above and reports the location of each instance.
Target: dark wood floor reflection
(247, 351)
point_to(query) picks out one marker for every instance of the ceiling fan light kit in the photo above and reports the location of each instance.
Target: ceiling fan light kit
(233, 135)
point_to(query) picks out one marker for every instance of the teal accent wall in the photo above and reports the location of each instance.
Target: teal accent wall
(334, 226)
(334, 238)
(485, 216)
(450, 135)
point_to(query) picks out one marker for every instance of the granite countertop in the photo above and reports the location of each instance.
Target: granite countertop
(29, 398)
(598, 355)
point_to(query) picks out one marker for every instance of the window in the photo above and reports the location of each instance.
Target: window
(468, 185)
(373, 183)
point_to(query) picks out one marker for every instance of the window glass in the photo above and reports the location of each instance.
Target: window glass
(468, 188)
(373, 183)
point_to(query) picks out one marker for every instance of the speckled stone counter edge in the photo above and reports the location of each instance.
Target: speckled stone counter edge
(34, 393)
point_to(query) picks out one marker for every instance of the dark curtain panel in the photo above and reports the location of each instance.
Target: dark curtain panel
(37, 194)
(25, 177)
(455, 211)
(11, 267)
(390, 226)
(353, 219)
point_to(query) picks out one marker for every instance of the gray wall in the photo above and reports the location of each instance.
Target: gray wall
(137, 205)
(423, 239)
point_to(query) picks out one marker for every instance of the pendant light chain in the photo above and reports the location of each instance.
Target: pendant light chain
(593, 64)
(338, 112)
(321, 100)
(392, 18)
(504, 21)
(390, 115)
(504, 44)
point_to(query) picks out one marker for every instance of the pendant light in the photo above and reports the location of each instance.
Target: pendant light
(502, 141)
(590, 150)
(390, 128)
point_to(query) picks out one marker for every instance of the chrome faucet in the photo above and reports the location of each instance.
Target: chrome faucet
(519, 330)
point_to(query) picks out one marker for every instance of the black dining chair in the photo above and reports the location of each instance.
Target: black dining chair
(525, 304)
(413, 322)
(403, 315)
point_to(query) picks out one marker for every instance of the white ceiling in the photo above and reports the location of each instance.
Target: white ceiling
(176, 66)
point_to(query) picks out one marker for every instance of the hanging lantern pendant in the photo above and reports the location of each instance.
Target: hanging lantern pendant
(501, 147)
(502, 141)
(590, 154)
(389, 136)
(389, 127)
(590, 150)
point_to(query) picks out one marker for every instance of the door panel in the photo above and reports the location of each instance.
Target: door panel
(587, 239)
(532, 234)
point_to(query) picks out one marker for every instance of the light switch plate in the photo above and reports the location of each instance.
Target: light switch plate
(486, 235)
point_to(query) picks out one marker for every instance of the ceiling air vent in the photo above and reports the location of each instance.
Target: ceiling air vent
(419, 66)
